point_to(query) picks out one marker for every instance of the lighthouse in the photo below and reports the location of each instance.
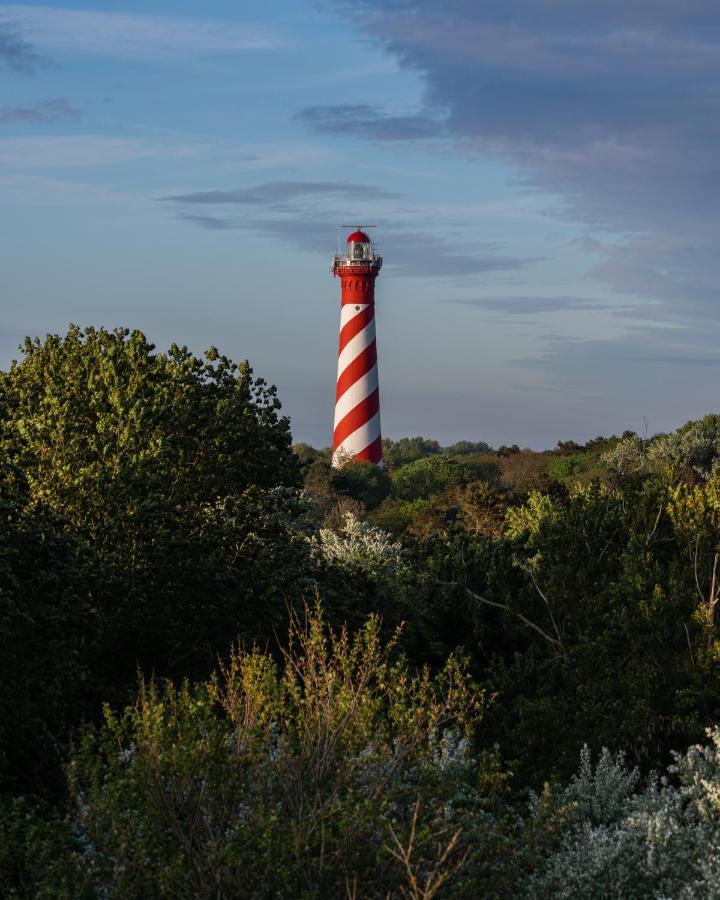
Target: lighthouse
(356, 432)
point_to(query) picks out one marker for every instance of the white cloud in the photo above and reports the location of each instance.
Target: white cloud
(131, 35)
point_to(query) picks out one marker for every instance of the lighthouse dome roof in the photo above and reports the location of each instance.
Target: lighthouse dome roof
(358, 237)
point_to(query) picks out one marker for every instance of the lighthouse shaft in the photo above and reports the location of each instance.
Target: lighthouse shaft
(357, 432)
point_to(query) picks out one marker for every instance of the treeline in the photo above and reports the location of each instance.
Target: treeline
(420, 478)
(230, 670)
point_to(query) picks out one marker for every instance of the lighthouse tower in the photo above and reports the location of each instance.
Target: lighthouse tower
(357, 399)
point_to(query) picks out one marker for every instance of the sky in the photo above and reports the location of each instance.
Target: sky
(543, 174)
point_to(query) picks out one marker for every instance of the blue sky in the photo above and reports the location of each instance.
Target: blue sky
(543, 174)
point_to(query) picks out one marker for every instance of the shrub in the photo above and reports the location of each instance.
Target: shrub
(656, 843)
(337, 773)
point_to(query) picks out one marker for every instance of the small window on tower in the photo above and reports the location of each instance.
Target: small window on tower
(358, 251)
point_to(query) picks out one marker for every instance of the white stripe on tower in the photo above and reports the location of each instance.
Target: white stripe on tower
(357, 400)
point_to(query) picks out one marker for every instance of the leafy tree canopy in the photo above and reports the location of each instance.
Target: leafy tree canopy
(148, 519)
(398, 453)
(99, 421)
(363, 481)
(425, 477)
(465, 448)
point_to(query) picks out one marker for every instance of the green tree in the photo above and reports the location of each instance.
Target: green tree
(363, 481)
(396, 516)
(583, 615)
(47, 620)
(425, 477)
(466, 448)
(398, 453)
(102, 424)
(176, 474)
(307, 454)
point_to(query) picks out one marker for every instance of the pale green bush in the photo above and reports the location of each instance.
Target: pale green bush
(660, 843)
(337, 773)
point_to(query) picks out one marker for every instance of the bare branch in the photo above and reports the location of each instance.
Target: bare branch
(687, 635)
(548, 637)
(695, 568)
(441, 868)
(529, 571)
(655, 526)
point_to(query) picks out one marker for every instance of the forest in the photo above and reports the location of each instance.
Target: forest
(230, 670)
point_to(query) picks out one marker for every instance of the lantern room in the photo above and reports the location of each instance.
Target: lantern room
(359, 256)
(359, 246)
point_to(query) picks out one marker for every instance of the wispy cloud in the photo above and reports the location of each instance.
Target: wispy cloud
(279, 192)
(15, 52)
(209, 223)
(54, 110)
(61, 152)
(621, 360)
(134, 36)
(363, 120)
(524, 306)
(406, 250)
(306, 214)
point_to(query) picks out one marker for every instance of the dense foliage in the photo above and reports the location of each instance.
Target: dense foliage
(304, 780)
(147, 522)
(480, 620)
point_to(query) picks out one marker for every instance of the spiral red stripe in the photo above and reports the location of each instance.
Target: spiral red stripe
(360, 366)
(372, 453)
(355, 326)
(359, 415)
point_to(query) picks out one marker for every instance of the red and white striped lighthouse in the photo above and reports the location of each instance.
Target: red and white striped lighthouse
(357, 398)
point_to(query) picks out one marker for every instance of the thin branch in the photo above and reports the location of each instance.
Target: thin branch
(695, 569)
(655, 526)
(506, 608)
(712, 601)
(713, 584)
(529, 571)
(441, 870)
(687, 635)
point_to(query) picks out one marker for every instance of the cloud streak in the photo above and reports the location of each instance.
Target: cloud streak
(76, 151)
(363, 120)
(209, 223)
(134, 36)
(279, 192)
(16, 53)
(54, 110)
(524, 306)
(306, 214)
